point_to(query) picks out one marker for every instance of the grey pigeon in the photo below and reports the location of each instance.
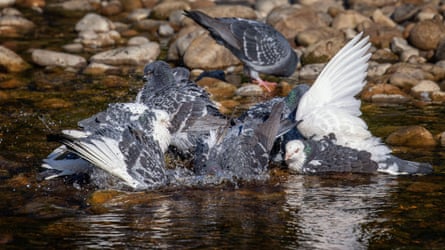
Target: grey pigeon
(260, 47)
(243, 152)
(187, 104)
(128, 145)
(324, 156)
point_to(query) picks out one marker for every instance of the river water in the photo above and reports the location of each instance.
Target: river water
(288, 211)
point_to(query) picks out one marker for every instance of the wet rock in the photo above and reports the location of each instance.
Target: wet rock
(424, 89)
(57, 59)
(184, 38)
(13, 24)
(265, 6)
(217, 88)
(291, 20)
(12, 83)
(322, 51)
(205, 53)
(139, 14)
(250, 90)
(382, 19)
(377, 69)
(239, 11)
(6, 3)
(131, 55)
(4, 97)
(424, 187)
(73, 48)
(440, 51)
(442, 139)
(383, 93)
(384, 55)
(72, 6)
(426, 35)
(11, 61)
(130, 5)
(164, 9)
(405, 76)
(166, 30)
(91, 39)
(381, 36)
(322, 5)
(151, 25)
(94, 22)
(312, 36)
(55, 103)
(412, 136)
(404, 12)
(349, 19)
(137, 40)
(438, 96)
(101, 69)
(399, 45)
(310, 72)
(110, 8)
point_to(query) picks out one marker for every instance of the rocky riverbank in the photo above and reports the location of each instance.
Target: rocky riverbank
(110, 39)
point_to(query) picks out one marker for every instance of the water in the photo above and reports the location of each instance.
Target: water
(286, 212)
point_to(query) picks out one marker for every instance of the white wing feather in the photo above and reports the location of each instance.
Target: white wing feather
(330, 105)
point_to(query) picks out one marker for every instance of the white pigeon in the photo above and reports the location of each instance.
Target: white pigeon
(330, 106)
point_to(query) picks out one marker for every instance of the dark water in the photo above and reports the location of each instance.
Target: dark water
(286, 212)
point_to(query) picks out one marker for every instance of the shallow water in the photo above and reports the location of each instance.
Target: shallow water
(287, 211)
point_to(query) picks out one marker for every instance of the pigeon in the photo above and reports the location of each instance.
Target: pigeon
(129, 145)
(171, 90)
(330, 106)
(260, 47)
(243, 151)
(324, 156)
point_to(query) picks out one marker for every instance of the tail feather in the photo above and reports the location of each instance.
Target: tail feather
(62, 162)
(396, 166)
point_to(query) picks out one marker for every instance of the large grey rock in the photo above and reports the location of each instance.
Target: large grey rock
(11, 61)
(94, 22)
(131, 55)
(57, 59)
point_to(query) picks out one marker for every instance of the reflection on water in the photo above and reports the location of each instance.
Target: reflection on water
(330, 214)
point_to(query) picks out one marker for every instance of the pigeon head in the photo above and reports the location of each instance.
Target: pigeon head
(295, 155)
(158, 73)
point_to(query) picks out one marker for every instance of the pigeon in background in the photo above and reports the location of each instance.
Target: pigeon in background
(242, 152)
(260, 47)
(330, 106)
(129, 144)
(324, 156)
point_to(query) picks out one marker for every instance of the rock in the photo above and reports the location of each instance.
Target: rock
(383, 93)
(149, 25)
(73, 48)
(382, 36)
(239, 11)
(218, 89)
(54, 103)
(71, 5)
(404, 12)
(12, 83)
(185, 37)
(265, 6)
(412, 136)
(349, 19)
(94, 22)
(382, 19)
(250, 90)
(384, 55)
(322, 51)
(57, 59)
(377, 69)
(438, 96)
(310, 72)
(163, 10)
(399, 44)
(291, 20)
(311, 36)
(11, 61)
(424, 89)
(131, 5)
(137, 40)
(425, 35)
(101, 69)
(111, 8)
(322, 5)
(139, 14)
(12, 24)
(405, 75)
(6, 3)
(205, 53)
(131, 55)
(91, 39)
(166, 30)
(440, 51)
(442, 139)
